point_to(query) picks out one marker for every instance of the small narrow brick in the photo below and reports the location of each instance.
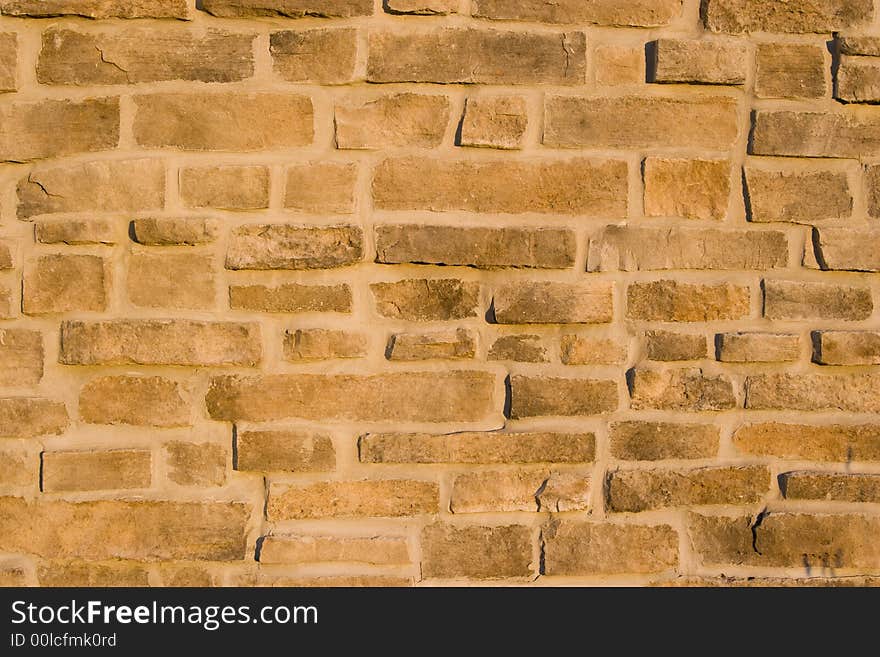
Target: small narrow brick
(700, 61)
(7, 258)
(519, 348)
(88, 471)
(135, 400)
(790, 70)
(797, 196)
(422, 7)
(536, 396)
(847, 249)
(836, 486)
(320, 188)
(323, 344)
(291, 298)
(405, 119)
(812, 300)
(171, 280)
(82, 231)
(670, 346)
(30, 417)
(833, 442)
(169, 231)
(285, 246)
(848, 347)
(21, 357)
(8, 62)
(62, 283)
(854, 393)
(450, 345)
(586, 350)
(497, 491)
(225, 187)
(284, 451)
(476, 552)
(439, 299)
(553, 303)
(689, 188)
(635, 13)
(320, 56)
(97, 8)
(872, 185)
(671, 301)
(373, 550)
(757, 347)
(688, 389)
(494, 122)
(196, 464)
(288, 8)
(658, 441)
(389, 498)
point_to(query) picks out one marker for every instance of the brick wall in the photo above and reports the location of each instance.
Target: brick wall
(439, 291)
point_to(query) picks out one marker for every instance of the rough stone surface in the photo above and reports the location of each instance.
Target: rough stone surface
(545, 396)
(694, 189)
(688, 389)
(813, 300)
(832, 442)
(671, 301)
(757, 347)
(322, 56)
(284, 451)
(386, 498)
(790, 70)
(393, 120)
(494, 122)
(426, 299)
(476, 552)
(283, 246)
(700, 61)
(553, 303)
(658, 441)
(802, 197)
(83, 471)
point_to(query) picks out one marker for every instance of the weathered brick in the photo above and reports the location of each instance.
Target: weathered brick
(671, 301)
(71, 572)
(688, 389)
(519, 348)
(8, 61)
(757, 347)
(633, 248)
(590, 548)
(816, 134)
(476, 552)
(619, 122)
(693, 189)
(138, 400)
(570, 187)
(223, 121)
(458, 344)
(542, 248)
(21, 357)
(171, 280)
(130, 56)
(476, 447)
(837, 486)
(322, 56)
(852, 44)
(586, 350)
(8, 308)
(699, 60)
(19, 467)
(819, 16)
(797, 196)
(169, 231)
(790, 70)
(565, 491)
(423, 299)
(111, 529)
(29, 417)
(388, 498)
(321, 188)
(670, 346)
(105, 470)
(494, 122)
(617, 64)
(263, 578)
(454, 55)
(60, 283)
(813, 392)
(105, 186)
(422, 7)
(847, 347)
(813, 300)
(225, 187)
(486, 492)
(834, 442)
(637, 13)
(196, 464)
(643, 490)
(534, 396)
(291, 298)
(454, 396)
(546, 302)
(52, 128)
(405, 119)
(284, 451)
(872, 186)
(96, 8)
(84, 231)
(284, 246)
(289, 8)
(186, 574)
(323, 344)
(7, 259)
(849, 249)
(657, 441)
(374, 550)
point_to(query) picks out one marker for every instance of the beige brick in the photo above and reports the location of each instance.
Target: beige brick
(252, 579)
(321, 188)
(437, 299)
(69, 572)
(658, 441)
(21, 357)
(285, 246)
(389, 498)
(819, 16)
(8, 62)
(834, 442)
(196, 464)
(455, 396)
(837, 486)
(29, 417)
(619, 64)
(134, 55)
(84, 231)
(700, 60)
(61, 283)
(519, 348)
(757, 347)
(322, 56)
(816, 134)
(553, 303)
(670, 346)
(688, 389)
(813, 300)
(586, 350)
(458, 344)
(619, 122)
(171, 280)
(693, 189)
(849, 249)
(97, 8)
(494, 122)
(476, 552)
(137, 400)
(454, 55)
(323, 344)
(106, 470)
(169, 231)
(637, 13)
(7, 258)
(476, 447)
(565, 491)
(185, 575)
(803, 197)
(847, 347)
(223, 121)
(491, 491)
(19, 467)
(284, 451)
(225, 187)
(872, 185)
(7, 307)
(534, 396)
(422, 7)
(569, 187)
(373, 550)
(852, 44)
(291, 298)
(671, 301)
(790, 70)
(405, 119)
(289, 8)
(813, 392)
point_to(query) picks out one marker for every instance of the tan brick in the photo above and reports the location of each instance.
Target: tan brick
(816, 134)
(185, 575)
(61, 283)
(519, 348)
(760, 582)
(322, 56)
(813, 300)
(636, 13)
(84, 231)
(494, 122)
(819, 16)
(701, 61)
(534, 396)
(619, 64)
(284, 451)
(671, 301)
(422, 7)
(803, 197)
(848, 249)
(105, 186)
(688, 389)
(590, 548)
(223, 121)
(289, 8)
(323, 344)
(835, 442)
(19, 467)
(169, 231)
(138, 400)
(321, 188)
(847, 347)
(111, 529)
(489, 491)
(633, 248)
(29, 417)
(405, 119)
(225, 187)
(196, 464)
(284, 246)
(96, 8)
(852, 44)
(7, 259)
(12, 574)
(476, 447)
(670, 346)
(171, 280)
(658, 441)
(790, 70)
(872, 185)
(757, 347)
(454, 55)
(619, 122)
(331, 581)
(68, 572)
(7, 309)
(134, 55)
(568, 187)
(455, 396)
(105, 470)
(855, 393)
(553, 303)
(476, 552)
(458, 344)
(21, 357)
(586, 350)
(8, 61)
(837, 486)
(436, 299)
(565, 491)
(373, 550)
(291, 298)
(693, 189)
(388, 498)
(643, 490)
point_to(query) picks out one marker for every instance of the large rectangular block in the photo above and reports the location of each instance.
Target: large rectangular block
(390, 498)
(288, 8)
(96, 8)
(847, 249)
(844, 133)
(796, 195)
(855, 393)
(831, 442)
(687, 389)
(804, 16)
(633, 13)
(814, 300)
(553, 303)
(285, 246)
(535, 396)
(671, 301)
(86, 471)
(476, 552)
